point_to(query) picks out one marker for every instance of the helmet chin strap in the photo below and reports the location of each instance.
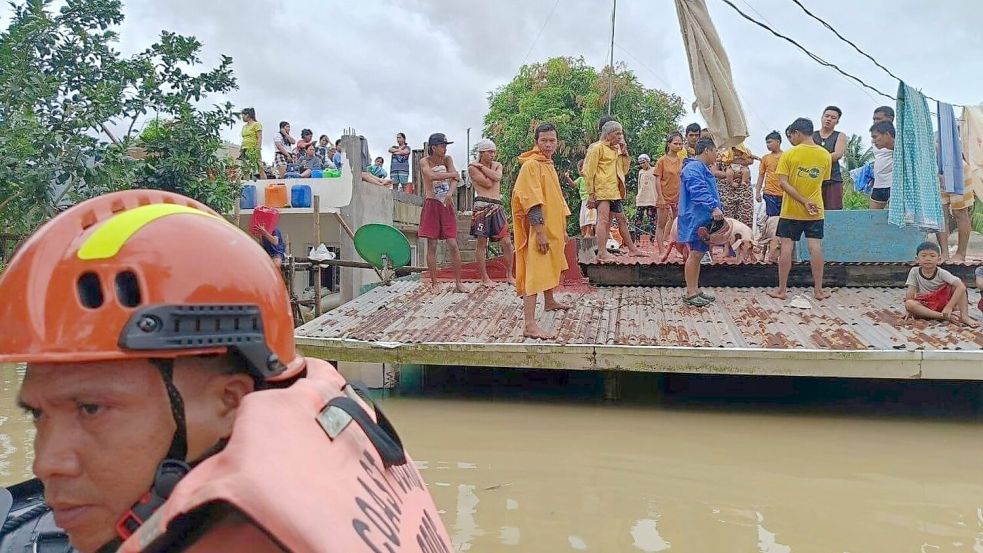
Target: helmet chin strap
(171, 470)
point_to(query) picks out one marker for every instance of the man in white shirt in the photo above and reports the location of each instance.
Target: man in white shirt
(882, 135)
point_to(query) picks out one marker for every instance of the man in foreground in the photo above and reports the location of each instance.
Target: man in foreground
(539, 213)
(802, 171)
(438, 220)
(488, 221)
(173, 412)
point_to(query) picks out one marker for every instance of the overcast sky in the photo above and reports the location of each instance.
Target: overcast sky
(422, 66)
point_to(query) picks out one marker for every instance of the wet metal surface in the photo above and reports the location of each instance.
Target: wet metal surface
(853, 319)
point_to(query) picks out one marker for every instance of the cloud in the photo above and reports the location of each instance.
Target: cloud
(422, 66)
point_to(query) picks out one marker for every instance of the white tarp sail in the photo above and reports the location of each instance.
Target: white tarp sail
(709, 68)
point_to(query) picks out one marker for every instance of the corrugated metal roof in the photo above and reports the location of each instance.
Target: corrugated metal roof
(410, 312)
(652, 257)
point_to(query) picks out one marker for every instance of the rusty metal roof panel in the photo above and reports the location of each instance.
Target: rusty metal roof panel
(853, 319)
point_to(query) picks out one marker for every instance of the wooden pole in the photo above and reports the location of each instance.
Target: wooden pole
(317, 242)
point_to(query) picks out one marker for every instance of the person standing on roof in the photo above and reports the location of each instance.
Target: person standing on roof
(438, 220)
(801, 171)
(835, 143)
(699, 208)
(539, 213)
(488, 221)
(606, 167)
(172, 410)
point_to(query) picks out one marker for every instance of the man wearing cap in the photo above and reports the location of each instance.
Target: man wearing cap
(605, 167)
(488, 220)
(438, 221)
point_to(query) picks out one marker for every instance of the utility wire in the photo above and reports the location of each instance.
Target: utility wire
(815, 58)
(540, 33)
(614, 12)
(848, 41)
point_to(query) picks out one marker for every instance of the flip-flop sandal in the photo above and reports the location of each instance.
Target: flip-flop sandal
(696, 301)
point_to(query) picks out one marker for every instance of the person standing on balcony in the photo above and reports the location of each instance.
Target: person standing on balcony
(399, 165)
(252, 142)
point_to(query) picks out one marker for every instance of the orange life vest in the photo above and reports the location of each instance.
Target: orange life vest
(306, 478)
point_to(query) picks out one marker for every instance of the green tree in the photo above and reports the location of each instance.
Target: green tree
(855, 156)
(63, 91)
(573, 96)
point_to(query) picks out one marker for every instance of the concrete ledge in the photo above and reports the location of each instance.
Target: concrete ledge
(882, 364)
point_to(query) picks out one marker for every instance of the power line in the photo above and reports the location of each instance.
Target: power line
(815, 58)
(540, 33)
(848, 41)
(614, 12)
(766, 20)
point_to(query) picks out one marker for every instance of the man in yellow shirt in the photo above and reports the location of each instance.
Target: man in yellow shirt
(801, 172)
(605, 167)
(768, 176)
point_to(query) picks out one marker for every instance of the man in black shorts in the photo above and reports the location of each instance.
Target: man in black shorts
(801, 172)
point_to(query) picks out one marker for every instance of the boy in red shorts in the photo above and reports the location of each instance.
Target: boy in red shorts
(933, 292)
(438, 221)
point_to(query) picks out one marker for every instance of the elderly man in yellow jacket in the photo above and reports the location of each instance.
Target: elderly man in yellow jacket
(605, 168)
(539, 213)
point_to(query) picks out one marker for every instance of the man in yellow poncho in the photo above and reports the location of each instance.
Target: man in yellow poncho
(605, 168)
(539, 213)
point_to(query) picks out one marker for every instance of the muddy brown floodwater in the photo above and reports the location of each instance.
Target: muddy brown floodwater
(565, 472)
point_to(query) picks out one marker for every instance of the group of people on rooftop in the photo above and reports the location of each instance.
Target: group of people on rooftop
(691, 199)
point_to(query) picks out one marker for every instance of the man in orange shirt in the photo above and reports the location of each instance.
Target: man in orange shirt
(768, 176)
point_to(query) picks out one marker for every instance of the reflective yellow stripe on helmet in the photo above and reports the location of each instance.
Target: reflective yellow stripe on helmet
(110, 237)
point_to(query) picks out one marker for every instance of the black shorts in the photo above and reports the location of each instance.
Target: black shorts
(880, 194)
(616, 205)
(794, 229)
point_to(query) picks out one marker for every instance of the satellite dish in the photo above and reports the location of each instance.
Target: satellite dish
(382, 246)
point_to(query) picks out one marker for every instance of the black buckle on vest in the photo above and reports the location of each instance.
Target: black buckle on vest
(169, 473)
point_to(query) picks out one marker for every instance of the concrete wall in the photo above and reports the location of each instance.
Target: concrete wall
(865, 235)
(370, 204)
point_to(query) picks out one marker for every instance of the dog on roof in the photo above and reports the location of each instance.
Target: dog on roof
(734, 234)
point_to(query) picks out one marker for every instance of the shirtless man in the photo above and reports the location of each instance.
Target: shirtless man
(439, 218)
(488, 221)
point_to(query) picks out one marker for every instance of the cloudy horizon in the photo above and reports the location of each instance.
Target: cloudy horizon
(424, 66)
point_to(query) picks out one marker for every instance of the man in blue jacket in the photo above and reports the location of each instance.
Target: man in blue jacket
(699, 206)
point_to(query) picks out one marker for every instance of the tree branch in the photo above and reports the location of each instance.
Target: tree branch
(109, 133)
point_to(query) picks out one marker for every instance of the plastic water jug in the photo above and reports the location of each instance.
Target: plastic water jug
(247, 200)
(266, 217)
(300, 195)
(275, 195)
(317, 174)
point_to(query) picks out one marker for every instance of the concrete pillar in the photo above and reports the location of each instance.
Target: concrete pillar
(370, 204)
(612, 386)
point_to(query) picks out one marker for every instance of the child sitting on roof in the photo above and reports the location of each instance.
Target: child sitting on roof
(933, 292)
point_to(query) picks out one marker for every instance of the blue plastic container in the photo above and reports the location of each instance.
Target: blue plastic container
(317, 174)
(300, 195)
(248, 198)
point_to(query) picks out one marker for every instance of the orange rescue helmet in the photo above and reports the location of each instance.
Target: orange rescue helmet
(145, 274)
